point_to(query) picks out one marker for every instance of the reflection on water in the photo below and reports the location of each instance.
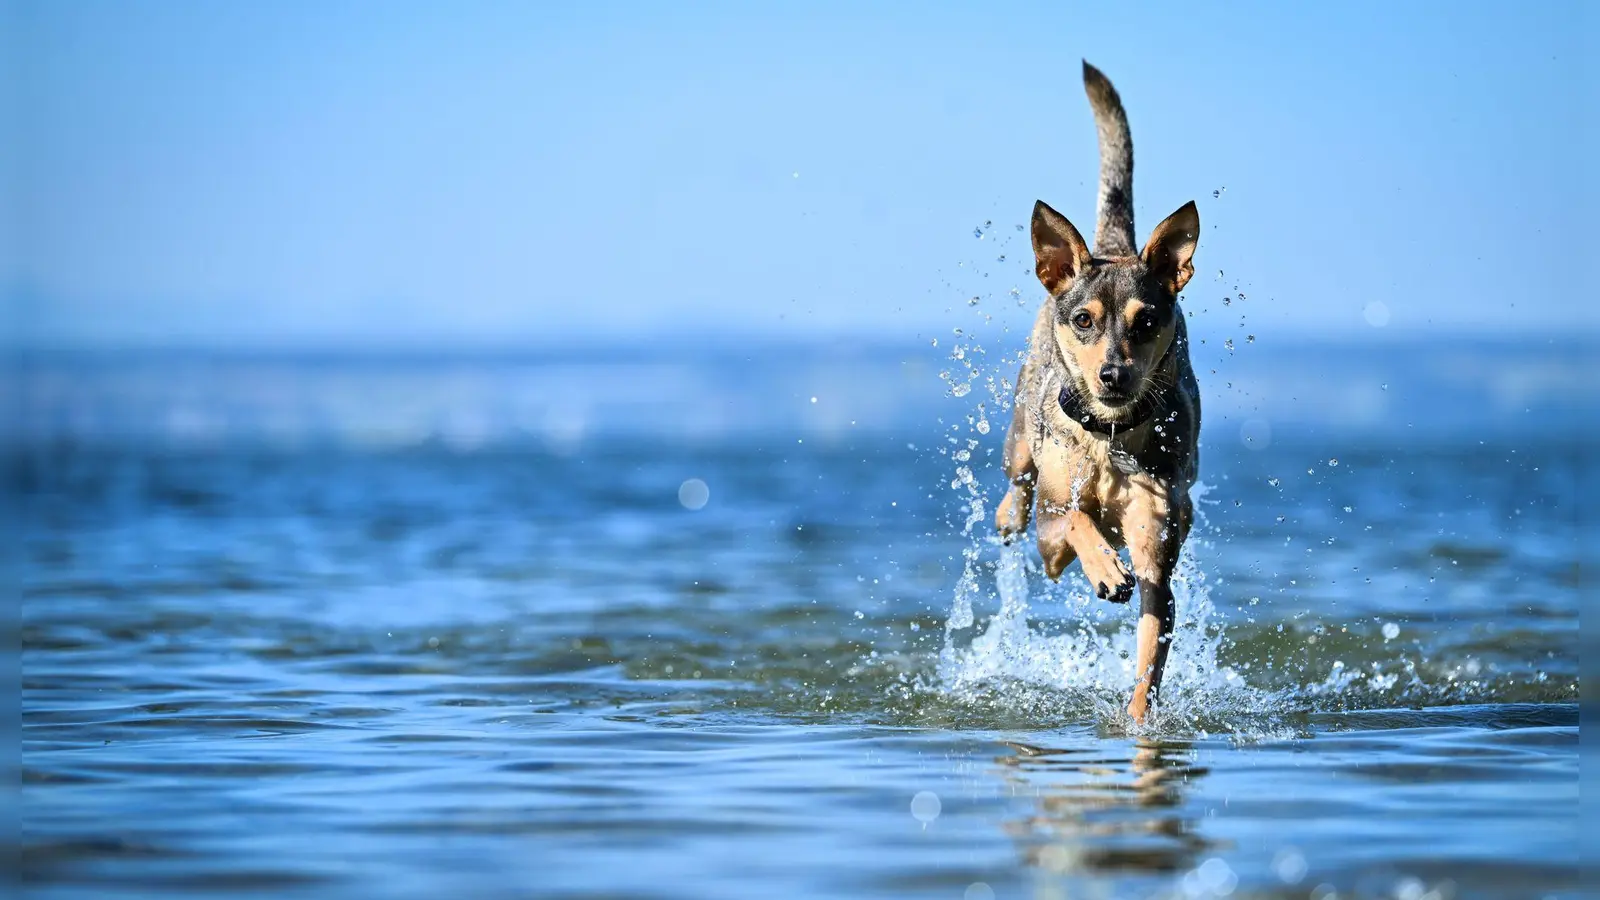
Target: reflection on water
(1095, 813)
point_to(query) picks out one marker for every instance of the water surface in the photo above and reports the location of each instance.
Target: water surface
(474, 644)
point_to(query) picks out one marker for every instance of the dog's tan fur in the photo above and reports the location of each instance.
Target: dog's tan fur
(1112, 335)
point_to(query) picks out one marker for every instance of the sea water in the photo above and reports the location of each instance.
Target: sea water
(662, 626)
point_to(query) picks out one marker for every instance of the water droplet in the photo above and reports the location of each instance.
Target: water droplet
(973, 302)
(1229, 344)
(694, 494)
(935, 342)
(1217, 877)
(1390, 631)
(813, 399)
(1289, 865)
(925, 806)
(960, 390)
(1376, 313)
(1385, 385)
(1273, 481)
(1333, 462)
(1249, 339)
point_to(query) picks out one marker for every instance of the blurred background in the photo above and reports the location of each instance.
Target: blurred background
(623, 185)
(230, 190)
(424, 412)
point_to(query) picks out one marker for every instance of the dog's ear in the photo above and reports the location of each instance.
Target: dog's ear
(1170, 252)
(1059, 253)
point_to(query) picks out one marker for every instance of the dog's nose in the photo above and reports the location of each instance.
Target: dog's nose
(1115, 377)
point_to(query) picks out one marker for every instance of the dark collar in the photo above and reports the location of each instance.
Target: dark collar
(1073, 404)
(1077, 410)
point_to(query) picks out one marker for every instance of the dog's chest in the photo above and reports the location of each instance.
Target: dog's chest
(1084, 472)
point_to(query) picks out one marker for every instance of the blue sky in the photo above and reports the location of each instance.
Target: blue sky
(432, 174)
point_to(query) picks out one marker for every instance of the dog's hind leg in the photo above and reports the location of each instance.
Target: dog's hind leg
(1055, 549)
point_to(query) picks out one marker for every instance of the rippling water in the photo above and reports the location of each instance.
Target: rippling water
(452, 658)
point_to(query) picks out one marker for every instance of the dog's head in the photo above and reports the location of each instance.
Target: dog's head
(1114, 318)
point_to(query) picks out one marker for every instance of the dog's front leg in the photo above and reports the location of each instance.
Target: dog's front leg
(1070, 534)
(1011, 517)
(1156, 618)
(1156, 523)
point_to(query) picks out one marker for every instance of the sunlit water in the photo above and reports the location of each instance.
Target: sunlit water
(466, 658)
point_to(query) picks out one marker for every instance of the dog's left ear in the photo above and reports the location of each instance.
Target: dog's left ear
(1170, 252)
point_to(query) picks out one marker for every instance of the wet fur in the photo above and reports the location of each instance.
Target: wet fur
(1087, 507)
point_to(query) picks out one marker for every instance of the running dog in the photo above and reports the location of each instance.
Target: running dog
(1106, 417)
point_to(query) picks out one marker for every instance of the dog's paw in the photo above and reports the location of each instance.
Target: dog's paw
(1108, 576)
(1011, 518)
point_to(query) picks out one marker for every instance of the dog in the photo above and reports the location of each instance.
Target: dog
(1106, 417)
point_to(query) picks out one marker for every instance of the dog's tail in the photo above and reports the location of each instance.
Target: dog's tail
(1113, 231)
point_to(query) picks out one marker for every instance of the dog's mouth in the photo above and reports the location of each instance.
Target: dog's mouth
(1116, 399)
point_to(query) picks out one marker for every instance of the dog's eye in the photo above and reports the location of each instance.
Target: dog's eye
(1083, 319)
(1143, 327)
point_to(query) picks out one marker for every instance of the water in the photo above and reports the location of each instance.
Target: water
(326, 628)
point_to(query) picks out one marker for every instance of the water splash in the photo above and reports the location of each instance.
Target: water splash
(1083, 664)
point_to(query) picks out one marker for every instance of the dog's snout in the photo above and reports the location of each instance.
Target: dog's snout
(1115, 377)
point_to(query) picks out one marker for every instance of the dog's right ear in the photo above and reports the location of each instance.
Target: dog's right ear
(1059, 253)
